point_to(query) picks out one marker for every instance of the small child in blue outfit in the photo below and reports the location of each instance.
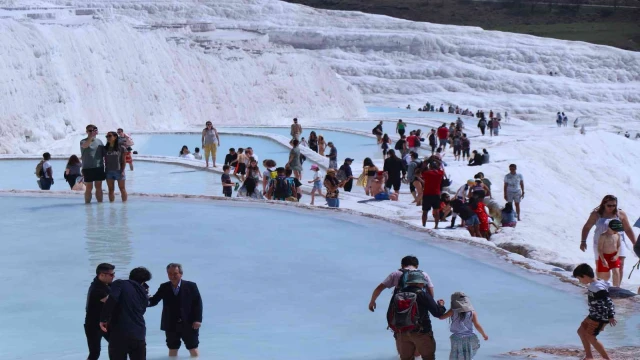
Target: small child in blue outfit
(464, 342)
(317, 182)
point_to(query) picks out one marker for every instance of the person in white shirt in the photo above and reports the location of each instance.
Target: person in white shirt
(197, 155)
(185, 153)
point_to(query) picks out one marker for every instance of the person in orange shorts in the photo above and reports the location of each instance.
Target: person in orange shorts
(609, 252)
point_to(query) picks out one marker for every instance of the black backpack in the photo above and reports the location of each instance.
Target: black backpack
(417, 142)
(282, 189)
(302, 159)
(399, 145)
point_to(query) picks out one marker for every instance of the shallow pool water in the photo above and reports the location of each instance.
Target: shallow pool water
(349, 145)
(269, 293)
(148, 177)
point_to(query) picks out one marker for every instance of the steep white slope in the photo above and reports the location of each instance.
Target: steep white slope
(397, 62)
(57, 78)
(566, 175)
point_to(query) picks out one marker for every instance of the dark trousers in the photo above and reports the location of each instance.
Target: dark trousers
(45, 183)
(482, 130)
(348, 185)
(94, 338)
(120, 347)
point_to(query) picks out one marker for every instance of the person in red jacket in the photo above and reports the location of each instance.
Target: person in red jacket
(443, 135)
(432, 177)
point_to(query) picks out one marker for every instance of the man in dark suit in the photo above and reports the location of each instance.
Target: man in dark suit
(181, 311)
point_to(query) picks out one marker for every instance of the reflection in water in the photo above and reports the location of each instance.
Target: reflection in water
(107, 233)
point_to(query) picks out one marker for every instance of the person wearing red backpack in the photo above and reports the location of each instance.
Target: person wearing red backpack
(408, 317)
(395, 279)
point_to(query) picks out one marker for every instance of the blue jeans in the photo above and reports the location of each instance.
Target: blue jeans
(333, 202)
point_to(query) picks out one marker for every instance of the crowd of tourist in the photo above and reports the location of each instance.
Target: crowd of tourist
(410, 162)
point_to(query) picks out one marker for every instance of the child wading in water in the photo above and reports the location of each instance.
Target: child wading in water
(601, 311)
(609, 252)
(317, 182)
(464, 342)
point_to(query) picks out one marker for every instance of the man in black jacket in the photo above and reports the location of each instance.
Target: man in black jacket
(96, 297)
(394, 166)
(181, 311)
(421, 339)
(124, 312)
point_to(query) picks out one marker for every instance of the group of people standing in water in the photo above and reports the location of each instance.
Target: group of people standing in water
(98, 162)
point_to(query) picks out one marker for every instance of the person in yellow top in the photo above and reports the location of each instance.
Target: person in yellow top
(210, 143)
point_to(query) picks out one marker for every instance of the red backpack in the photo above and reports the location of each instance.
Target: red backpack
(402, 315)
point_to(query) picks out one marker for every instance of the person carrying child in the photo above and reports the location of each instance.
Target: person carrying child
(464, 342)
(601, 311)
(609, 245)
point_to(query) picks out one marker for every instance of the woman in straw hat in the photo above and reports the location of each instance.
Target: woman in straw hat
(464, 342)
(332, 184)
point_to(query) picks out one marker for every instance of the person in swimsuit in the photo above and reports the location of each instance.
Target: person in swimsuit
(608, 210)
(370, 171)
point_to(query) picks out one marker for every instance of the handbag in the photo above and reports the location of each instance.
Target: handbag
(446, 182)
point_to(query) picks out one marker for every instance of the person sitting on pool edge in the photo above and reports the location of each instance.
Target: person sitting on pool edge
(378, 189)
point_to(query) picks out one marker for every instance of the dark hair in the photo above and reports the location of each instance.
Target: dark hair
(182, 149)
(225, 167)
(485, 151)
(295, 142)
(120, 129)
(409, 260)
(313, 135)
(280, 170)
(391, 153)
(108, 146)
(104, 267)
(140, 275)
(46, 156)
(606, 199)
(385, 138)
(73, 160)
(513, 165)
(508, 207)
(232, 149)
(270, 163)
(197, 149)
(288, 171)
(414, 155)
(367, 162)
(90, 126)
(295, 119)
(583, 270)
(240, 150)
